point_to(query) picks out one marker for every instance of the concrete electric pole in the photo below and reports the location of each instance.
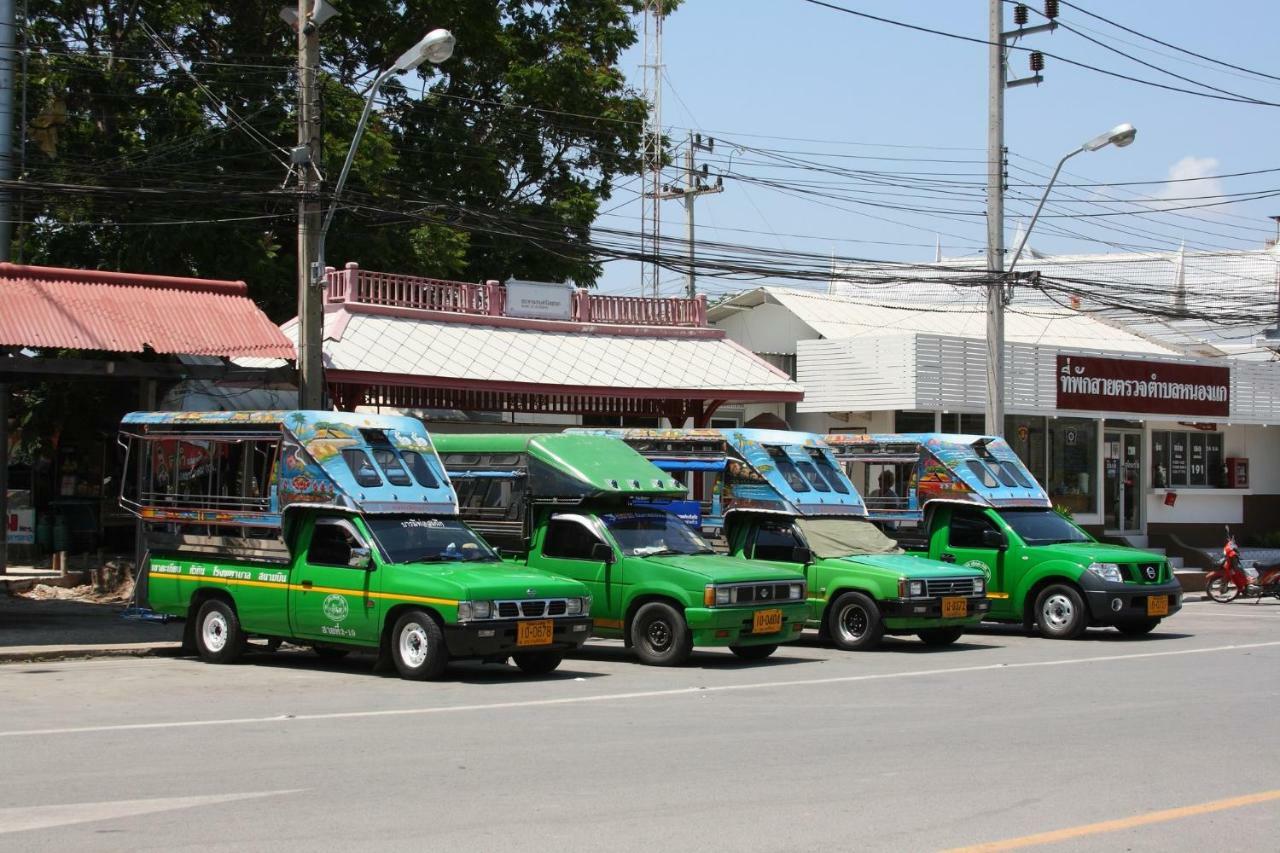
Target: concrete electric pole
(694, 186)
(997, 82)
(307, 158)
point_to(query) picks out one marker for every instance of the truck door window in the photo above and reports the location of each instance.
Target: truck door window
(568, 539)
(775, 543)
(966, 530)
(331, 543)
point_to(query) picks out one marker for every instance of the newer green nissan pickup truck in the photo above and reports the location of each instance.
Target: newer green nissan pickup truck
(977, 505)
(590, 508)
(337, 531)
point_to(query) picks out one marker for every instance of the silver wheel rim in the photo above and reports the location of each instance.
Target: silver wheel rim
(853, 622)
(1058, 611)
(413, 645)
(214, 631)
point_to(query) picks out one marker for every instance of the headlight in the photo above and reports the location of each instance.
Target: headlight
(979, 586)
(915, 589)
(577, 606)
(1107, 572)
(717, 596)
(470, 610)
(797, 591)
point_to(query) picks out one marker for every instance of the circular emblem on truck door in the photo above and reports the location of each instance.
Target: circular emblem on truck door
(335, 607)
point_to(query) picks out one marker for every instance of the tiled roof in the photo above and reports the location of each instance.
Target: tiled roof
(50, 307)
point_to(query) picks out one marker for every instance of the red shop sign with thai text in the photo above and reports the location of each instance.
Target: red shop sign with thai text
(1151, 387)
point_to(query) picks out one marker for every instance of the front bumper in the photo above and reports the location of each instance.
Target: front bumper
(1113, 603)
(912, 614)
(731, 626)
(497, 637)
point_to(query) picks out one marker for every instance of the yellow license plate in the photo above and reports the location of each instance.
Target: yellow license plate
(954, 606)
(1158, 605)
(766, 621)
(537, 633)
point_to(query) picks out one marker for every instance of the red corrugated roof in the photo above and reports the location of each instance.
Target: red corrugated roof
(124, 312)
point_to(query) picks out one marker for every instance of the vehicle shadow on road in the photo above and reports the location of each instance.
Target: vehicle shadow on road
(898, 645)
(1096, 635)
(700, 659)
(464, 671)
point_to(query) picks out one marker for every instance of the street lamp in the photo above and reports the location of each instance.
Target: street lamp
(1119, 136)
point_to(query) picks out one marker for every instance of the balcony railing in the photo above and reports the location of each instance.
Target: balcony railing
(353, 284)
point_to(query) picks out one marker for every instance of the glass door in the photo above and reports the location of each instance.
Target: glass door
(1122, 481)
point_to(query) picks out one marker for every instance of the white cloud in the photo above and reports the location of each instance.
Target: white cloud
(1181, 191)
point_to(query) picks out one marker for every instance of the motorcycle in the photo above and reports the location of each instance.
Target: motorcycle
(1233, 579)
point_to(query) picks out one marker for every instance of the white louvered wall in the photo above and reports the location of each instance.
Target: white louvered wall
(857, 374)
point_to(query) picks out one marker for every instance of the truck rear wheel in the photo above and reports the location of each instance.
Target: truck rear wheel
(660, 635)
(219, 638)
(538, 663)
(1060, 612)
(417, 646)
(854, 623)
(940, 636)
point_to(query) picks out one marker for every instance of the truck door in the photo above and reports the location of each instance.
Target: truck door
(569, 549)
(329, 594)
(974, 540)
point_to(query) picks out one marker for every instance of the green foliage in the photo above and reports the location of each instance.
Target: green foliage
(1062, 510)
(491, 165)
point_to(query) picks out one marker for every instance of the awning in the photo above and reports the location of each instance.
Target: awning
(51, 307)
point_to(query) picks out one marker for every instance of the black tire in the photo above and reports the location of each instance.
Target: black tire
(1060, 612)
(854, 623)
(538, 663)
(1220, 588)
(940, 636)
(754, 652)
(331, 652)
(218, 636)
(660, 635)
(1137, 628)
(417, 646)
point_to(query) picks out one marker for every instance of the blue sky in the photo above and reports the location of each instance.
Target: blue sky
(842, 89)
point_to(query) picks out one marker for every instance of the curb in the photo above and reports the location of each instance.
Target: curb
(31, 654)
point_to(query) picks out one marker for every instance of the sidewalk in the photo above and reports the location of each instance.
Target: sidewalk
(53, 629)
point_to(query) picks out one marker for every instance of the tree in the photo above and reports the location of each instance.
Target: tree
(145, 115)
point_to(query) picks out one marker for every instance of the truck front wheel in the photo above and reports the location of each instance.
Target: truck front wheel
(538, 663)
(1060, 612)
(940, 636)
(754, 652)
(660, 635)
(854, 623)
(219, 638)
(417, 647)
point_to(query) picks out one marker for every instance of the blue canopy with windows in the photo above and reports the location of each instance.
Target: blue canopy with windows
(784, 471)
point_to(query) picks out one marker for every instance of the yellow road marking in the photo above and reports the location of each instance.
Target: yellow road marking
(1121, 823)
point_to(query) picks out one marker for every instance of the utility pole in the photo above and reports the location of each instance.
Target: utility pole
(694, 185)
(307, 158)
(654, 153)
(6, 126)
(997, 82)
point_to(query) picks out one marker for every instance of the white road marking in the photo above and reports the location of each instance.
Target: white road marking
(26, 818)
(618, 697)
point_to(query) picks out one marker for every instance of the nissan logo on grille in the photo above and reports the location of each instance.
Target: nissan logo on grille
(764, 592)
(1150, 572)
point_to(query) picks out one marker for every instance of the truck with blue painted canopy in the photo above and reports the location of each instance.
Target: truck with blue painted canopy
(333, 530)
(590, 508)
(971, 501)
(785, 501)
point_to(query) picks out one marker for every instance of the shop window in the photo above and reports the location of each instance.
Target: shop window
(1026, 435)
(1073, 463)
(1186, 458)
(913, 421)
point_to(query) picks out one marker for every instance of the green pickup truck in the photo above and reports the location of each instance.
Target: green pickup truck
(592, 509)
(977, 505)
(332, 530)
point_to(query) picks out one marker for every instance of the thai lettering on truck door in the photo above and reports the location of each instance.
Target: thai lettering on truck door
(974, 540)
(571, 546)
(329, 591)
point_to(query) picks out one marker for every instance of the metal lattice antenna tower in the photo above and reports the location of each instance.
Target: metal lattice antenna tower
(651, 220)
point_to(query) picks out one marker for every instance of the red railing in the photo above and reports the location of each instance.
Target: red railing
(353, 284)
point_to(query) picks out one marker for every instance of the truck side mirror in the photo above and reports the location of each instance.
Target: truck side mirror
(994, 539)
(360, 558)
(602, 553)
(802, 555)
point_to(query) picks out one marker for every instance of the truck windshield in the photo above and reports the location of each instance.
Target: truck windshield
(648, 534)
(1043, 527)
(424, 539)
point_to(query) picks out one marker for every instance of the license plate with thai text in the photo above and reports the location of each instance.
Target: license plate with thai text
(954, 606)
(1158, 605)
(540, 632)
(766, 621)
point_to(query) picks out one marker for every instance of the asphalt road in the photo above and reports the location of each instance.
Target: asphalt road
(1162, 743)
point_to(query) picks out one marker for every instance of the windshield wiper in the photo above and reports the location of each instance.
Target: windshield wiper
(648, 551)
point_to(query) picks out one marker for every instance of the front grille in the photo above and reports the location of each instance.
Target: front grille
(532, 608)
(1145, 572)
(949, 586)
(763, 593)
